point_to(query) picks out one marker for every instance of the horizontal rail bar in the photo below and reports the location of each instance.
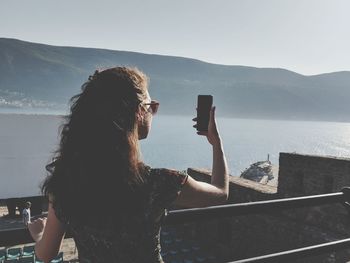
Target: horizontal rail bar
(300, 252)
(261, 207)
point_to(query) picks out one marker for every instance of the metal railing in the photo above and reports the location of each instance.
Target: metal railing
(298, 253)
(17, 236)
(265, 207)
(260, 207)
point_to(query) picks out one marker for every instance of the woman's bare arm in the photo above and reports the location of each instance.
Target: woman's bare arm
(48, 235)
(199, 194)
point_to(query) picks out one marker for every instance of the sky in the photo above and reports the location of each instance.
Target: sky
(306, 36)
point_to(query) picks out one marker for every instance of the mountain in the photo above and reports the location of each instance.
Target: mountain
(37, 76)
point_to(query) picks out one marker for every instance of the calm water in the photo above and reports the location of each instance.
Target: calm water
(174, 143)
(27, 143)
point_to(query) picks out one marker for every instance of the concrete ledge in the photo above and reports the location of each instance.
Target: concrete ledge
(262, 188)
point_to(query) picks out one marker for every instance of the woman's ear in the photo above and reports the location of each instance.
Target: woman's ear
(139, 113)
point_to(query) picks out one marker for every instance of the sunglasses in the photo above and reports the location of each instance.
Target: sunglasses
(154, 105)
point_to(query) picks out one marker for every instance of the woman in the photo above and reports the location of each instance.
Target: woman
(99, 189)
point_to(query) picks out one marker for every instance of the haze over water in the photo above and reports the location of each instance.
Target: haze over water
(28, 141)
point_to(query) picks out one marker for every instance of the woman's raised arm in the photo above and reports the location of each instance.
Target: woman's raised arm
(201, 194)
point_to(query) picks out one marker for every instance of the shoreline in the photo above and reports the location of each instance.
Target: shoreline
(191, 116)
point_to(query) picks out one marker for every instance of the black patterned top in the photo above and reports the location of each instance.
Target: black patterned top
(136, 236)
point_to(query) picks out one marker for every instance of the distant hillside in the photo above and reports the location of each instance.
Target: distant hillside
(37, 76)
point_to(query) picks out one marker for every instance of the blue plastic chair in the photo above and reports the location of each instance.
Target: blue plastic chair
(57, 259)
(13, 253)
(28, 251)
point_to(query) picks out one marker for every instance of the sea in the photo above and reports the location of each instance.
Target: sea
(28, 142)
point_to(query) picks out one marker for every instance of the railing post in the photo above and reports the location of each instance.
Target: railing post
(346, 192)
(346, 203)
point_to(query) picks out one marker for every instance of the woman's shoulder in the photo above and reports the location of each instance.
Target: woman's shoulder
(169, 175)
(166, 185)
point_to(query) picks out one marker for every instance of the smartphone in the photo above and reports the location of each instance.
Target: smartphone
(204, 104)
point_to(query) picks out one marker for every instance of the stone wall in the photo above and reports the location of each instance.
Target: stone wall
(308, 174)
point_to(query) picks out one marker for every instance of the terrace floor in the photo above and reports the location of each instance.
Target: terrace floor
(70, 253)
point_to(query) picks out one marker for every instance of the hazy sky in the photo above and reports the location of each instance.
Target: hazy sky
(306, 36)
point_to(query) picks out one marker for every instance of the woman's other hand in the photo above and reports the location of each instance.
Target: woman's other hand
(36, 228)
(212, 134)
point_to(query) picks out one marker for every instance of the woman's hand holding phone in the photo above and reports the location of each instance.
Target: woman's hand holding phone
(212, 134)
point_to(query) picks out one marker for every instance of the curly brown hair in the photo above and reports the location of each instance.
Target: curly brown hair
(98, 161)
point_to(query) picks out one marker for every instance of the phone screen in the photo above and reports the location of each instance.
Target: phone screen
(204, 105)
